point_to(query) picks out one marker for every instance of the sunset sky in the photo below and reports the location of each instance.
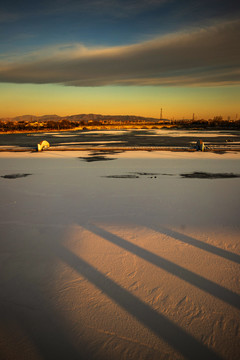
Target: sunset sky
(120, 57)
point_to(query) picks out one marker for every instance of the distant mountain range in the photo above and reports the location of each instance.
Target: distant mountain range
(78, 117)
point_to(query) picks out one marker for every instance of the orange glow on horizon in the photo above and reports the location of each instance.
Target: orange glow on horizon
(176, 103)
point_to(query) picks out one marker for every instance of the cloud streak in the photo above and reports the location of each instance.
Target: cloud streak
(208, 56)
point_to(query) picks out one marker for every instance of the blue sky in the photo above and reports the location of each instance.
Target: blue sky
(168, 48)
(106, 22)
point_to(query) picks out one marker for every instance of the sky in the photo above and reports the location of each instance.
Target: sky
(130, 57)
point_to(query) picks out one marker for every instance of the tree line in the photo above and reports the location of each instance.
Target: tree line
(216, 123)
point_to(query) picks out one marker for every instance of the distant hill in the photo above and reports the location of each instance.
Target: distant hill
(50, 117)
(79, 117)
(24, 118)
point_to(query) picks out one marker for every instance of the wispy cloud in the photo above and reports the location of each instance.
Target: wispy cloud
(208, 56)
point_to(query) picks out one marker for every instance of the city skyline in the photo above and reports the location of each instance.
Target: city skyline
(120, 57)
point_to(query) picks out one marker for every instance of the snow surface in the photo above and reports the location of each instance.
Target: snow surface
(89, 142)
(192, 133)
(97, 267)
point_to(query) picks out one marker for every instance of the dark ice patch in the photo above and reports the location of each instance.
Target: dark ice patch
(106, 152)
(15, 176)
(137, 175)
(96, 158)
(146, 174)
(206, 175)
(128, 176)
(220, 152)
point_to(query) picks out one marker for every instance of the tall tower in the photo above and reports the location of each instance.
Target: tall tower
(161, 114)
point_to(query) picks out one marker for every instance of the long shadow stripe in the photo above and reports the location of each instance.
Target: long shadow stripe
(198, 243)
(42, 324)
(202, 283)
(160, 325)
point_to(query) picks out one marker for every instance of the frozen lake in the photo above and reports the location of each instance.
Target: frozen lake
(121, 257)
(123, 138)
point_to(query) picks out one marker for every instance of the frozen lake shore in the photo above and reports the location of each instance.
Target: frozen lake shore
(160, 139)
(120, 259)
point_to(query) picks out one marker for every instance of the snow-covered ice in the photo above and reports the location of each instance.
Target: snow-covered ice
(99, 264)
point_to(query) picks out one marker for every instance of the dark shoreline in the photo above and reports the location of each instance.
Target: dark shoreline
(122, 140)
